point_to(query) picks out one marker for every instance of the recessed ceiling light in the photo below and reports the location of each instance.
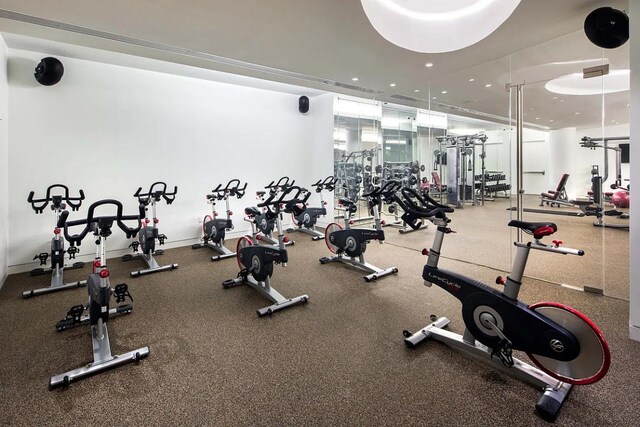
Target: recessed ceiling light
(443, 92)
(487, 85)
(429, 64)
(416, 90)
(551, 121)
(392, 85)
(355, 79)
(537, 118)
(434, 97)
(577, 113)
(555, 97)
(562, 100)
(472, 80)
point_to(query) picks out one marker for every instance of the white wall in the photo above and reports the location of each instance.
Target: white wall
(535, 158)
(109, 129)
(563, 147)
(4, 162)
(634, 241)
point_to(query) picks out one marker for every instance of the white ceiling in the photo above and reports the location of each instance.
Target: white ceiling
(323, 44)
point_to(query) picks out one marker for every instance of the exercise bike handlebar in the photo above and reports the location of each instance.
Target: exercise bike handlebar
(388, 188)
(551, 248)
(328, 184)
(76, 239)
(145, 198)
(430, 209)
(235, 190)
(38, 205)
(271, 200)
(281, 184)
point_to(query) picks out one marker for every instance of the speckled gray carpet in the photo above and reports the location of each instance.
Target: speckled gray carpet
(339, 360)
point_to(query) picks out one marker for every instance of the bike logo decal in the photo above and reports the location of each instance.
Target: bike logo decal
(556, 345)
(451, 285)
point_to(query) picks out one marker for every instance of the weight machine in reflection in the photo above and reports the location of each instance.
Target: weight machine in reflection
(599, 195)
(355, 173)
(457, 158)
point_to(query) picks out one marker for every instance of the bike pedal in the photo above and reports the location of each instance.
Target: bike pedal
(43, 257)
(65, 324)
(121, 292)
(75, 314)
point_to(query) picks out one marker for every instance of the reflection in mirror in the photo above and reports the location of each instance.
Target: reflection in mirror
(356, 147)
(579, 93)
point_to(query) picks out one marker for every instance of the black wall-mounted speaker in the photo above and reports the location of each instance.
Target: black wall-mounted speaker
(49, 71)
(607, 27)
(303, 104)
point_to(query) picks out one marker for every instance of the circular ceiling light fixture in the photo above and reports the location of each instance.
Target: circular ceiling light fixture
(575, 84)
(437, 26)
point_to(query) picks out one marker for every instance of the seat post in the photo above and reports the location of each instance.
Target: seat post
(514, 280)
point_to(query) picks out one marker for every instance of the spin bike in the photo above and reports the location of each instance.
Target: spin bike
(214, 229)
(58, 196)
(149, 233)
(349, 244)
(565, 345)
(305, 218)
(100, 293)
(265, 221)
(256, 261)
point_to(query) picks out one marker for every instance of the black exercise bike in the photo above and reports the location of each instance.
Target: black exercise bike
(58, 196)
(566, 346)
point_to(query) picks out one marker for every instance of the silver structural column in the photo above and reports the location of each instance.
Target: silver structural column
(519, 122)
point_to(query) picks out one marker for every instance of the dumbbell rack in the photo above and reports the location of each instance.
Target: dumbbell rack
(488, 185)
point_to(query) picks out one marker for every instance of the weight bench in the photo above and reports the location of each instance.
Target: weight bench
(558, 196)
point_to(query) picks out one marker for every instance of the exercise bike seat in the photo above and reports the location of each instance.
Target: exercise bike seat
(346, 202)
(538, 229)
(252, 211)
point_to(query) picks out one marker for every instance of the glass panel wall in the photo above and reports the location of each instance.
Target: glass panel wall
(460, 149)
(469, 157)
(569, 107)
(357, 142)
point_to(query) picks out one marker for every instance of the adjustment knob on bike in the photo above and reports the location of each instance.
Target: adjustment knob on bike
(500, 280)
(425, 252)
(56, 231)
(104, 273)
(557, 242)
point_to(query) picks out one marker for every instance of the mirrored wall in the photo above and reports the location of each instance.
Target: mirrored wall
(458, 143)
